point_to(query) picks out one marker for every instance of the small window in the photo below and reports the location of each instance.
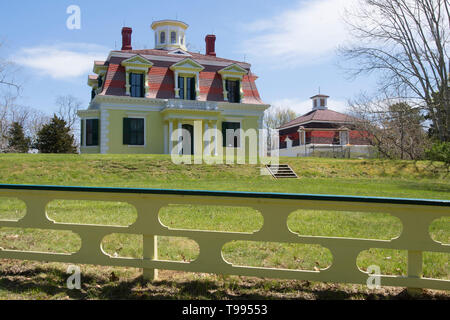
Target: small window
(315, 103)
(91, 132)
(173, 37)
(162, 37)
(133, 131)
(137, 85)
(187, 88)
(233, 91)
(322, 102)
(182, 39)
(230, 134)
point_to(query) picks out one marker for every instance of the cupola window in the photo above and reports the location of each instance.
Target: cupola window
(162, 37)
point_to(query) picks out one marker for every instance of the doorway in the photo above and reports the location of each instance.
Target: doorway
(188, 139)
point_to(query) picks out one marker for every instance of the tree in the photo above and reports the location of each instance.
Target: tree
(55, 137)
(275, 117)
(406, 42)
(68, 106)
(17, 142)
(394, 127)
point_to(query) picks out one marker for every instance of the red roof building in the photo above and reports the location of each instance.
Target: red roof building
(321, 126)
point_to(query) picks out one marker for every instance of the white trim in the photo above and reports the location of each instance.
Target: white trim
(104, 131)
(117, 54)
(166, 144)
(310, 121)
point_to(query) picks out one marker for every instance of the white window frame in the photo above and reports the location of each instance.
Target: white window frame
(83, 143)
(135, 116)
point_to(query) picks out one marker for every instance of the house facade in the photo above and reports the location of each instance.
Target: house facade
(320, 129)
(169, 100)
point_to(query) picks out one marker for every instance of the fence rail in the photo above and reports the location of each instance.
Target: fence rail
(416, 216)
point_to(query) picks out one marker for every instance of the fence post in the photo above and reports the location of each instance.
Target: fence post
(415, 265)
(150, 248)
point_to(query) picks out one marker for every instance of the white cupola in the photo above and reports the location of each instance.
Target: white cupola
(320, 102)
(170, 34)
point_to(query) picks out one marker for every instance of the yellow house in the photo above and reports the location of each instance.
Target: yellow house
(168, 100)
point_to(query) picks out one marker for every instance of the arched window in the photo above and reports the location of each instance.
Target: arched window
(173, 37)
(162, 37)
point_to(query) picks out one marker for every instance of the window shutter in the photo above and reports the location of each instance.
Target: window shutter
(193, 93)
(82, 132)
(126, 131)
(95, 132)
(181, 86)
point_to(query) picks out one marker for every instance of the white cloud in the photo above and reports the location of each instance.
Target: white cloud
(308, 33)
(63, 60)
(303, 106)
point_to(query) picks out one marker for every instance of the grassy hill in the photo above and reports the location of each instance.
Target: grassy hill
(317, 175)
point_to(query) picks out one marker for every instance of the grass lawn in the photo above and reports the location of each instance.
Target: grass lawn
(407, 179)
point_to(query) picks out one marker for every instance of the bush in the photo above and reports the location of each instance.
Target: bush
(439, 151)
(55, 137)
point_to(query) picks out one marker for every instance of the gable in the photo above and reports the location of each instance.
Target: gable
(233, 71)
(137, 61)
(187, 65)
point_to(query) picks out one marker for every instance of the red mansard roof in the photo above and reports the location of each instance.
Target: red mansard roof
(319, 116)
(161, 78)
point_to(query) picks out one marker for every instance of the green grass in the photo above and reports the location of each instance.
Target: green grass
(319, 176)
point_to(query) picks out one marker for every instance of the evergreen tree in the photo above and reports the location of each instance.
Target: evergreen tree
(55, 137)
(17, 142)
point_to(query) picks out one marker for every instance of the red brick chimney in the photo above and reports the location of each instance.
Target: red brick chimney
(126, 38)
(210, 40)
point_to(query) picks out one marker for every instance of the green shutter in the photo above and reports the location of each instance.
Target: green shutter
(95, 132)
(126, 131)
(193, 93)
(82, 132)
(181, 86)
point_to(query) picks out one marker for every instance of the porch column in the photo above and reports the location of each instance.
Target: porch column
(166, 145)
(180, 138)
(177, 89)
(216, 139)
(198, 141)
(207, 140)
(170, 136)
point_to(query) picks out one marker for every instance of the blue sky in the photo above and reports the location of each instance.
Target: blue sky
(290, 44)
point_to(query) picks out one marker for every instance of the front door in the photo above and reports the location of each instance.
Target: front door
(188, 139)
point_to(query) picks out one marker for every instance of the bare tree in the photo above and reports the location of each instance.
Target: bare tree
(275, 117)
(406, 42)
(68, 106)
(395, 128)
(8, 83)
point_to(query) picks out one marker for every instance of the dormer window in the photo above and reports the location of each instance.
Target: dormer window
(232, 83)
(162, 37)
(173, 37)
(233, 91)
(136, 76)
(187, 88)
(137, 85)
(186, 77)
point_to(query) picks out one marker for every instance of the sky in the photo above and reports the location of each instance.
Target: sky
(291, 44)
